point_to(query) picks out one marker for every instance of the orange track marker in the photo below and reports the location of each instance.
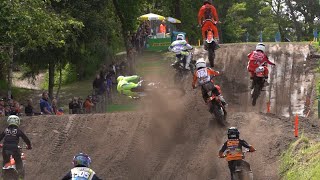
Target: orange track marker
(268, 107)
(296, 124)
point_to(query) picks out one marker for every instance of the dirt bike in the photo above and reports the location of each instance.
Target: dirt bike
(258, 83)
(181, 71)
(217, 108)
(210, 42)
(242, 169)
(9, 171)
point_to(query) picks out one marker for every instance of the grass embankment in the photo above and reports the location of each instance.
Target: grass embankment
(301, 160)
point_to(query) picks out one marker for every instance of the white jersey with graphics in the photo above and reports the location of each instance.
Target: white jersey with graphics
(82, 173)
(203, 76)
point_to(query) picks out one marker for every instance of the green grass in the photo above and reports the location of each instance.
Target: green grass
(152, 63)
(301, 160)
(121, 107)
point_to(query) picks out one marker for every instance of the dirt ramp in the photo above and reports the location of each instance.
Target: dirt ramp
(291, 81)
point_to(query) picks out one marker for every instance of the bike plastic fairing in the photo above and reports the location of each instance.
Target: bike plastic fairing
(259, 71)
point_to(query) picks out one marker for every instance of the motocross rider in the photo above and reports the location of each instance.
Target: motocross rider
(208, 12)
(11, 137)
(204, 78)
(258, 58)
(127, 83)
(233, 149)
(81, 169)
(180, 41)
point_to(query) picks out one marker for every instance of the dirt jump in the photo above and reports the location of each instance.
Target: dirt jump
(170, 138)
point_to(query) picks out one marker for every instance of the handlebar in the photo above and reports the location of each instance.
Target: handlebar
(243, 152)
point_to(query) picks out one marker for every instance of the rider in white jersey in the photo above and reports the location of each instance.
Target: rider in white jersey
(81, 170)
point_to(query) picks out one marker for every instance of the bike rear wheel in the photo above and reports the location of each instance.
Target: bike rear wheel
(258, 85)
(211, 54)
(219, 114)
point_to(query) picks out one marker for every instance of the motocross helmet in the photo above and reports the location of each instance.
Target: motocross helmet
(180, 37)
(261, 47)
(13, 120)
(233, 133)
(201, 64)
(207, 2)
(81, 159)
(120, 78)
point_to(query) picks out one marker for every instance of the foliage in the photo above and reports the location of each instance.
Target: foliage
(30, 24)
(69, 75)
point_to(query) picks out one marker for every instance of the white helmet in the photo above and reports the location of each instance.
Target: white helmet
(13, 120)
(180, 37)
(201, 64)
(261, 47)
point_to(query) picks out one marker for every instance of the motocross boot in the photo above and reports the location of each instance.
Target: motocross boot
(252, 84)
(223, 101)
(188, 60)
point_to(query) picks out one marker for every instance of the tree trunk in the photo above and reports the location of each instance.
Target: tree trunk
(60, 81)
(51, 77)
(177, 12)
(294, 19)
(126, 37)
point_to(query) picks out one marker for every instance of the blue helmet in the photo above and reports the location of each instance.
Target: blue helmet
(81, 159)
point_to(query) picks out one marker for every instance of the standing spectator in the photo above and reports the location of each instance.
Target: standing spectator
(16, 110)
(74, 106)
(97, 84)
(2, 107)
(45, 106)
(29, 108)
(163, 27)
(54, 106)
(88, 104)
(123, 67)
(80, 103)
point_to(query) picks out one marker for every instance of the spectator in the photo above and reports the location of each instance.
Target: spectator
(45, 106)
(97, 84)
(60, 112)
(29, 108)
(7, 110)
(54, 106)
(88, 104)
(15, 109)
(2, 107)
(74, 106)
(163, 27)
(80, 103)
(123, 67)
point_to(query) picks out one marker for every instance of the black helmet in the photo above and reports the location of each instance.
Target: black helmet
(233, 133)
(207, 2)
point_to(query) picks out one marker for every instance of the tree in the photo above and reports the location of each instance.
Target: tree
(127, 12)
(31, 24)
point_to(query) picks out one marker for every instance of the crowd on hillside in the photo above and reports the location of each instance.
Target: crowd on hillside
(103, 85)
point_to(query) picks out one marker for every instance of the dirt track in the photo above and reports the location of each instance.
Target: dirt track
(169, 138)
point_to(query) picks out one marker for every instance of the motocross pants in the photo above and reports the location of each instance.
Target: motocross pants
(16, 154)
(215, 91)
(186, 61)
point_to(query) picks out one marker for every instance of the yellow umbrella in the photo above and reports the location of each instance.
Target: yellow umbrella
(151, 16)
(173, 20)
